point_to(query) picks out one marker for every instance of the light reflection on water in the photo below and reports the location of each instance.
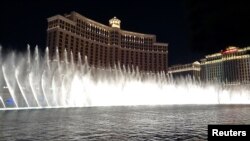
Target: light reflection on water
(184, 122)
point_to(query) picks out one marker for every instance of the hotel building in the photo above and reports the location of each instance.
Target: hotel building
(185, 70)
(105, 45)
(230, 66)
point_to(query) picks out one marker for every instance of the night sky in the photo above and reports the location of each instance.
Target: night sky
(193, 28)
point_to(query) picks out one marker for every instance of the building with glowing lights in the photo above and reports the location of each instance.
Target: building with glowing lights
(105, 45)
(192, 70)
(230, 66)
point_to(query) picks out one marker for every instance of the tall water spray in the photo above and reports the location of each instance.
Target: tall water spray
(30, 80)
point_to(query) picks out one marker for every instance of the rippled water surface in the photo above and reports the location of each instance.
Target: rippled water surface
(186, 122)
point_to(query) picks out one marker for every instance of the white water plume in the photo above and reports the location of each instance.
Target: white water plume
(35, 81)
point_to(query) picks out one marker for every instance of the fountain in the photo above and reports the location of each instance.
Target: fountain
(4, 106)
(33, 81)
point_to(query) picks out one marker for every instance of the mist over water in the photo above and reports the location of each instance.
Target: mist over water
(31, 80)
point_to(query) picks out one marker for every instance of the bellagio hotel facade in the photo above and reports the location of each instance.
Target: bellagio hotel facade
(105, 45)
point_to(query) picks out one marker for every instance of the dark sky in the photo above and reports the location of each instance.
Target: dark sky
(192, 28)
(214, 25)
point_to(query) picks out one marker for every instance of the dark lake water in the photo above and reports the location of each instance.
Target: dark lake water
(186, 122)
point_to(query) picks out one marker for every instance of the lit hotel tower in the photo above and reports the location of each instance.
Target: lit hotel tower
(105, 45)
(231, 66)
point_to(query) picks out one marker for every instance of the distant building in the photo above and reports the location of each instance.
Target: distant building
(185, 70)
(230, 66)
(105, 45)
